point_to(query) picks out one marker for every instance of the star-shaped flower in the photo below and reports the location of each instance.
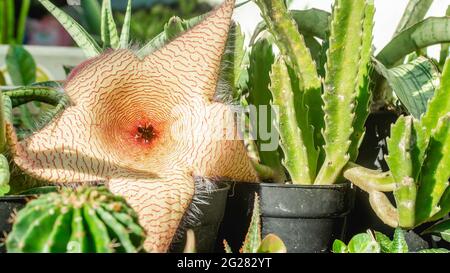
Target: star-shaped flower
(146, 126)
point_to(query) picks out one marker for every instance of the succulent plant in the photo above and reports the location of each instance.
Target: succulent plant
(418, 160)
(145, 121)
(253, 242)
(320, 126)
(379, 243)
(84, 220)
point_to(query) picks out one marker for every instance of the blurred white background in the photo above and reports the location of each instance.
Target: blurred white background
(387, 16)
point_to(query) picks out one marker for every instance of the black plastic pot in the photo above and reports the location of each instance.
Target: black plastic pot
(8, 206)
(307, 218)
(210, 218)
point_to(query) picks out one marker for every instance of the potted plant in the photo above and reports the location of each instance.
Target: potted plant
(418, 167)
(320, 126)
(159, 142)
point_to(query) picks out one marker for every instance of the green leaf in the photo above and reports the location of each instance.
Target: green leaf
(339, 247)
(435, 251)
(259, 95)
(445, 47)
(347, 56)
(415, 11)
(399, 243)
(20, 65)
(435, 172)
(4, 175)
(296, 158)
(439, 105)
(414, 83)
(78, 33)
(298, 57)
(431, 31)
(400, 163)
(384, 241)
(253, 237)
(363, 243)
(442, 228)
(109, 34)
(272, 244)
(125, 34)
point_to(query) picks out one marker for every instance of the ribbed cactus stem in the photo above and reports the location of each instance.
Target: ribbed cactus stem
(82, 220)
(341, 85)
(292, 45)
(295, 152)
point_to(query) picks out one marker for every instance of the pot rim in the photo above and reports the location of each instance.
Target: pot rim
(297, 186)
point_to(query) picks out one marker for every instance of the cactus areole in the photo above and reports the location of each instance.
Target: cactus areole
(147, 126)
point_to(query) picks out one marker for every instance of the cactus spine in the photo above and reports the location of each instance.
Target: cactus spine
(84, 220)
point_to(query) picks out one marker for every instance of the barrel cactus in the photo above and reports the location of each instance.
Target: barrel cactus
(86, 220)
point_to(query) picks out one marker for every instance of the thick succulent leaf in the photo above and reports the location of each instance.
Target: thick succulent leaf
(253, 237)
(296, 159)
(345, 57)
(125, 34)
(415, 11)
(431, 31)
(414, 83)
(339, 247)
(442, 228)
(398, 242)
(369, 180)
(292, 45)
(444, 205)
(363, 96)
(272, 244)
(401, 165)
(435, 172)
(259, 95)
(363, 243)
(161, 39)
(109, 33)
(24, 95)
(78, 33)
(439, 105)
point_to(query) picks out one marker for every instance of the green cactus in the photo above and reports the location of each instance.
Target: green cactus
(84, 220)
(419, 156)
(320, 127)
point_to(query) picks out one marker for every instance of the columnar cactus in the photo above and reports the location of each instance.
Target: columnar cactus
(419, 160)
(84, 220)
(321, 127)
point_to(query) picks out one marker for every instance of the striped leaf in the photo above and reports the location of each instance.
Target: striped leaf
(414, 83)
(431, 31)
(78, 33)
(125, 34)
(110, 38)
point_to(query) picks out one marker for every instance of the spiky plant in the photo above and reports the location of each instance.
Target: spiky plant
(320, 126)
(418, 160)
(84, 220)
(254, 243)
(145, 121)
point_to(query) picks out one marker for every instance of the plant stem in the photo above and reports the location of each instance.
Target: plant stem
(21, 25)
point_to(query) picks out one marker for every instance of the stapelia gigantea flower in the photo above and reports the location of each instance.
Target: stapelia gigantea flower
(147, 127)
